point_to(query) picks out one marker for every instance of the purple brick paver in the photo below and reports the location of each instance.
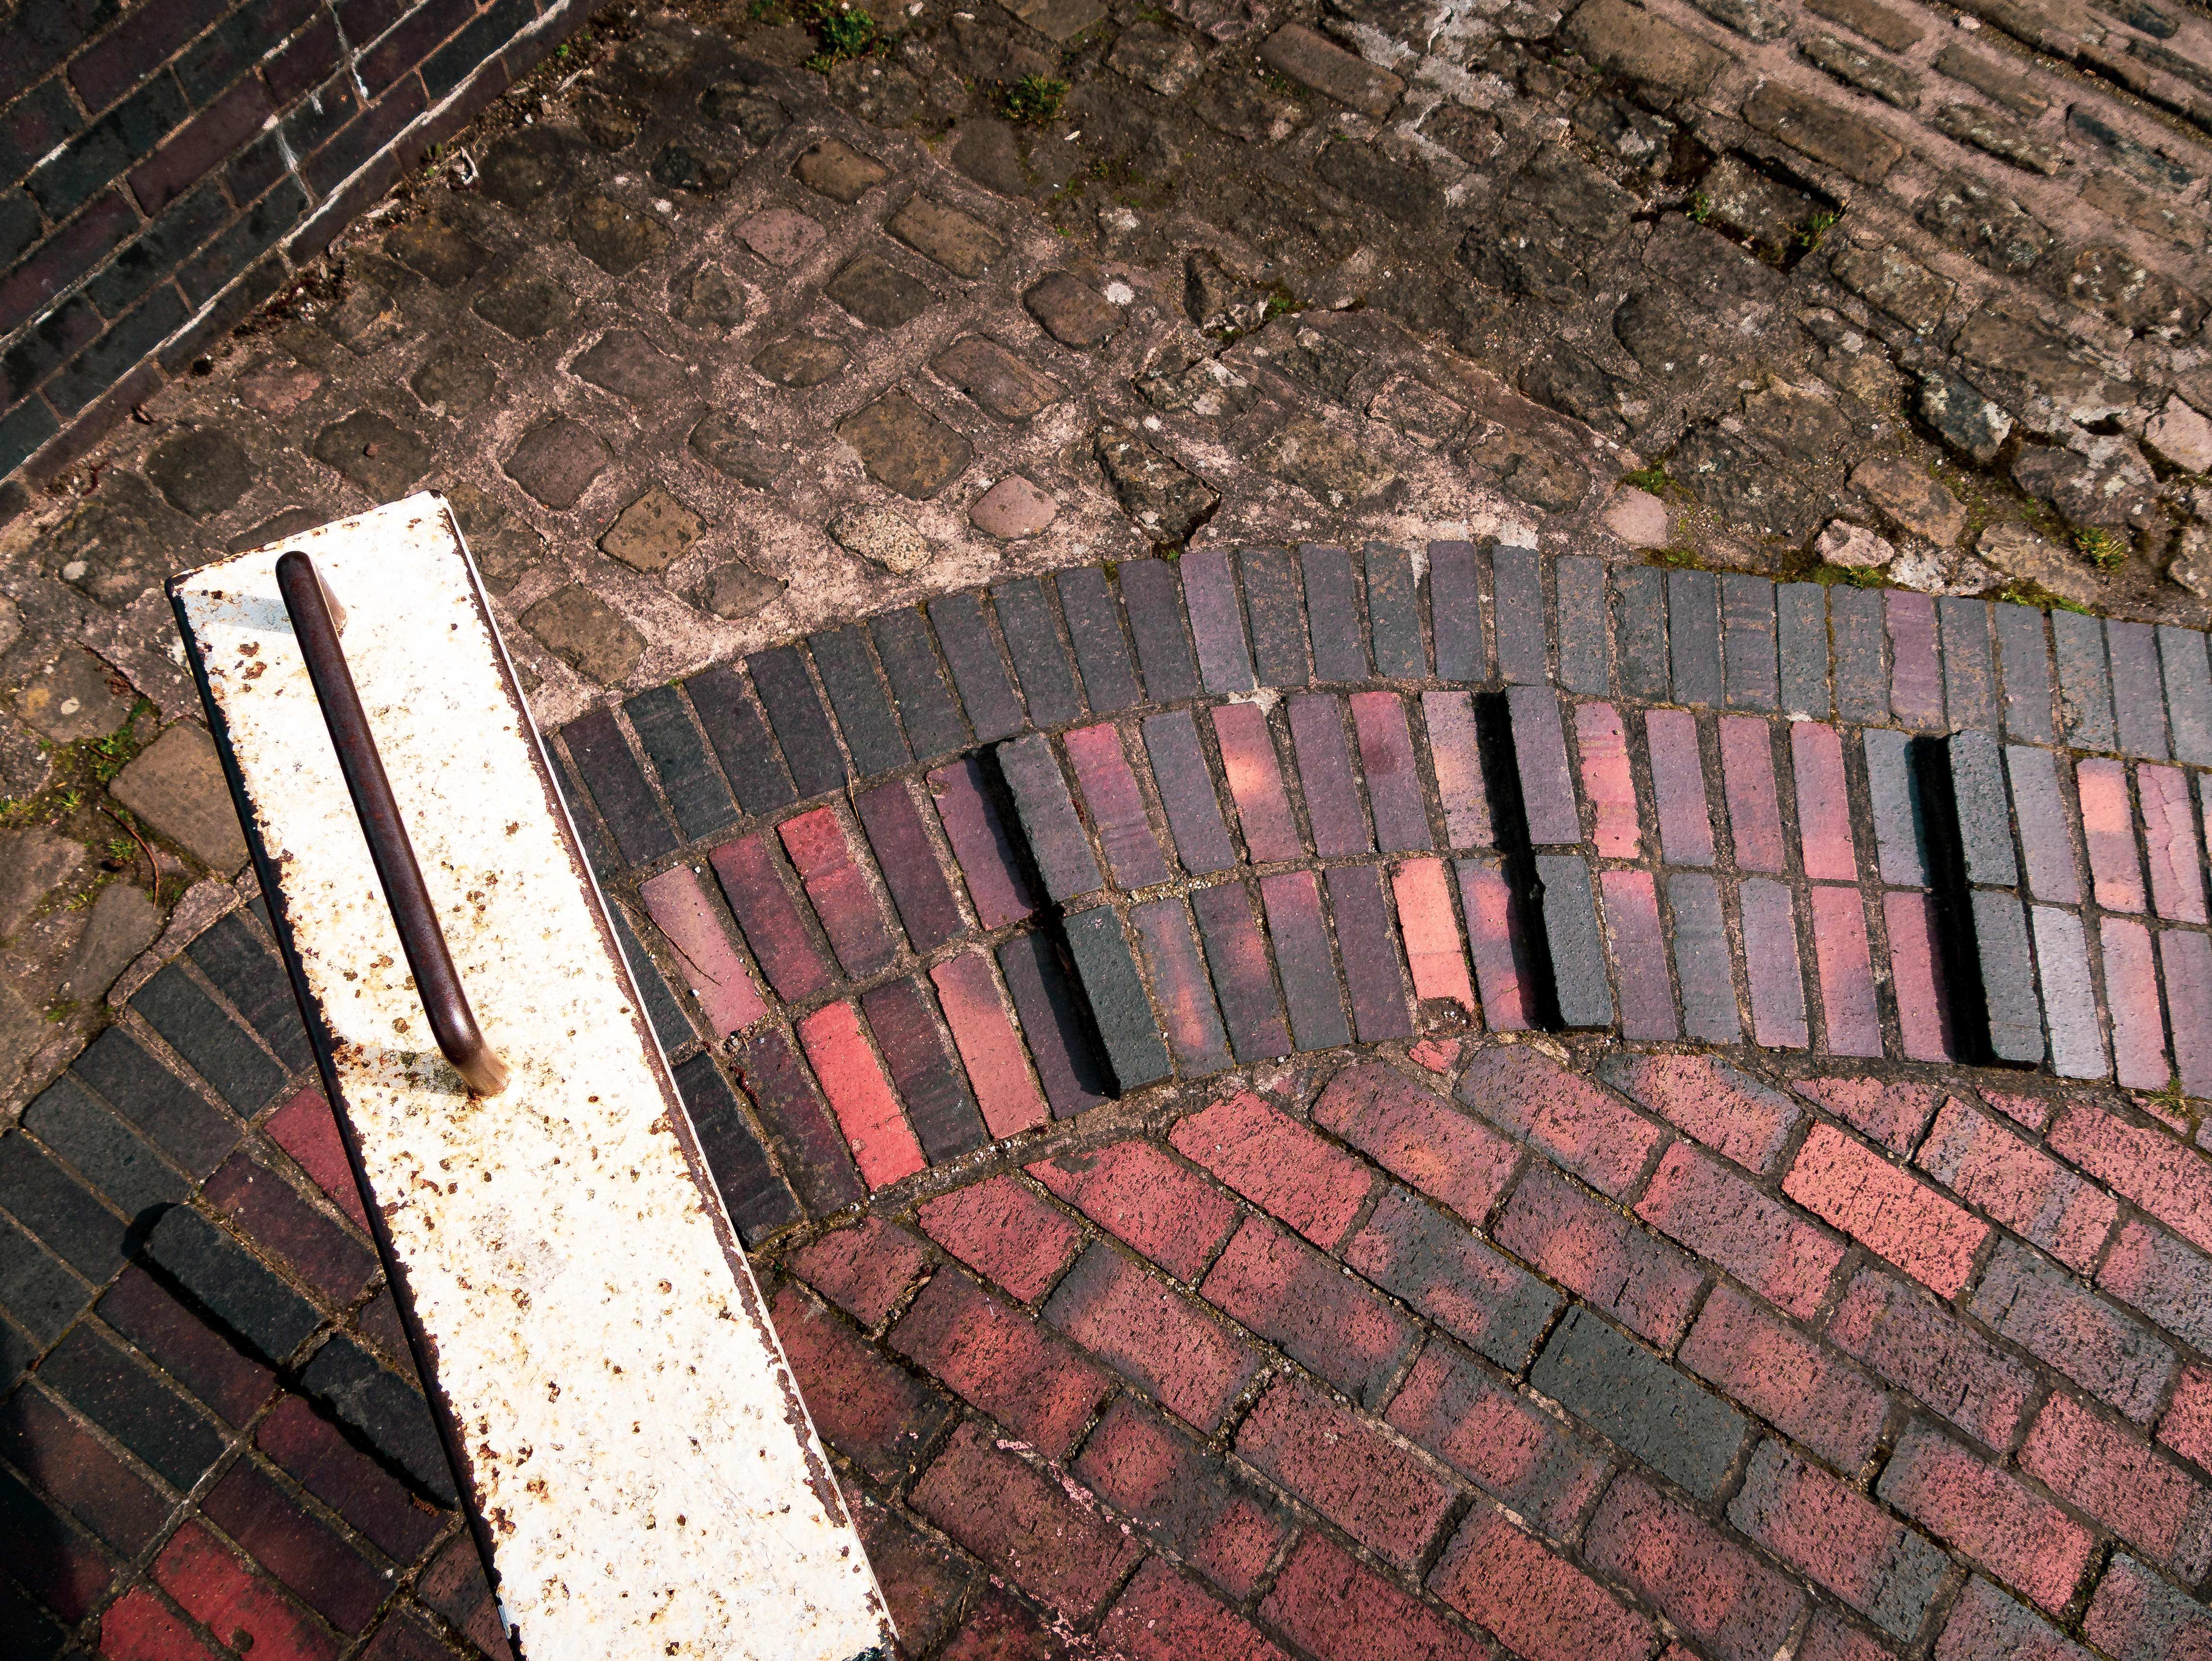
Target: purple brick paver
(1255, 783)
(1639, 954)
(1501, 958)
(2139, 1060)
(1754, 811)
(1325, 776)
(1607, 782)
(1824, 806)
(1678, 782)
(1392, 775)
(1848, 1010)
(1772, 966)
(2177, 863)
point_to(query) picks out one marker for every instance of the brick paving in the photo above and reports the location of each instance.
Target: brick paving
(1435, 1091)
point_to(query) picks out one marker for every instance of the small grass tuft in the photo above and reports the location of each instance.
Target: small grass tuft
(2103, 549)
(1035, 99)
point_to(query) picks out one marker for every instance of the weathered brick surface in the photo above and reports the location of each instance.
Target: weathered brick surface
(1628, 1393)
(865, 1270)
(1277, 1163)
(1412, 1133)
(1703, 1097)
(1184, 1496)
(1838, 1538)
(1540, 1605)
(1728, 1600)
(1417, 1253)
(1924, 1349)
(1153, 1335)
(2016, 1182)
(1345, 1470)
(1327, 1601)
(1293, 1296)
(1005, 1230)
(1892, 1112)
(2117, 1359)
(1845, 1182)
(2018, 1537)
(1502, 1441)
(1794, 1384)
(2171, 1181)
(1582, 1127)
(2093, 1463)
(992, 1355)
(1170, 1213)
(1575, 1238)
(2136, 1616)
(1717, 1215)
(868, 1409)
(1162, 1617)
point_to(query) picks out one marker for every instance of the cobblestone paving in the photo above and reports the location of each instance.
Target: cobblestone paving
(1316, 1058)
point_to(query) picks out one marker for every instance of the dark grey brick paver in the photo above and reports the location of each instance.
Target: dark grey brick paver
(1094, 624)
(215, 1046)
(2007, 978)
(1702, 960)
(934, 725)
(978, 672)
(2046, 826)
(1970, 686)
(2024, 662)
(1518, 596)
(1577, 952)
(618, 787)
(1303, 958)
(1153, 595)
(1237, 953)
(1900, 824)
(1639, 615)
(1977, 786)
(1054, 1025)
(1187, 792)
(1393, 613)
(1861, 671)
(118, 1069)
(802, 726)
(1748, 643)
(248, 974)
(2069, 995)
(1339, 648)
(1118, 1004)
(1325, 774)
(742, 744)
(1540, 752)
(671, 1027)
(1585, 650)
(61, 1211)
(1216, 620)
(1371, 974)
(2188, 693)
(694, 791)
(1040, 655)
(758, 1200)
(1630, 1395)
(243, 1295)
(1801, 610)
(1455, 610)
(121, 1162)
(1693, 637)
(1193, 1025)
(871, 726)
(2085, 690)
(1279, 620)
(2138, 695)
(1055, 835)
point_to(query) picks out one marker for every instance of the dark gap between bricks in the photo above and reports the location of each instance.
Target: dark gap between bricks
(1508, 825)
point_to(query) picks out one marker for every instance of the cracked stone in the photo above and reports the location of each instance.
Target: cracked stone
(116, 545)
(1823, 132)
(374, 452)
(1998, 136)
(736, 591)
(961, 243)
(1560, 378)
(586, 634)
(1853, 547)
(654, 532)
(526, 306)
(1854, 68)
(455, 381)
(176, 784)
(1910, 499)
(73, 699)
(201, 470)
(1166, 502)
(737, 452)
(123, 922)
(627, 364)
(2191, 568)
(2114, 284)
(1244, 107)
(1731, 477)
(1769, 214)
(838, 170)
(1420, 412)
(2112, 486)
(780, 236)
(905, 447)
(1532, 473)
(1215, 299)
(1967, 420)
(1862, 369)
(557, 461)
(712, 302)
(1985, 78)
(882, 94)
(1988, 228)
(2161, 173)
(2012, 342)
(1310, 357)
(2145, 210)
(1626, 129)
(1795, 422)
(801, 360)
(1756, 19)
(1311, 60)
(1632, 42)
(34, 862)
(1323, 462)
(436, 250)
(1895, 282)
(1578, 197)
(615, 238)
(751, 111)
(2182, 437)
(1005, 386)
(880, 535)
(1058, 20)
(610, 122)
(879, 294)
(1072, 313)
(277, 386)
(1667, 347)
(365, 317)
(1207, 388)
(682, 165)
(1014, 508)
(1151, 56)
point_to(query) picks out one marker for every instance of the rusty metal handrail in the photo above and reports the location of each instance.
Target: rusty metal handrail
(451, 1020)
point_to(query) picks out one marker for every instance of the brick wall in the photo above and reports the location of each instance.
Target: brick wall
(170, 163)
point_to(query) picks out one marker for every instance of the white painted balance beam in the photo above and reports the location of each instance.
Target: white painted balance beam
(643, 1478)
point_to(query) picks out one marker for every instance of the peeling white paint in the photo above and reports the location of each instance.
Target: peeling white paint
(650, 1481)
